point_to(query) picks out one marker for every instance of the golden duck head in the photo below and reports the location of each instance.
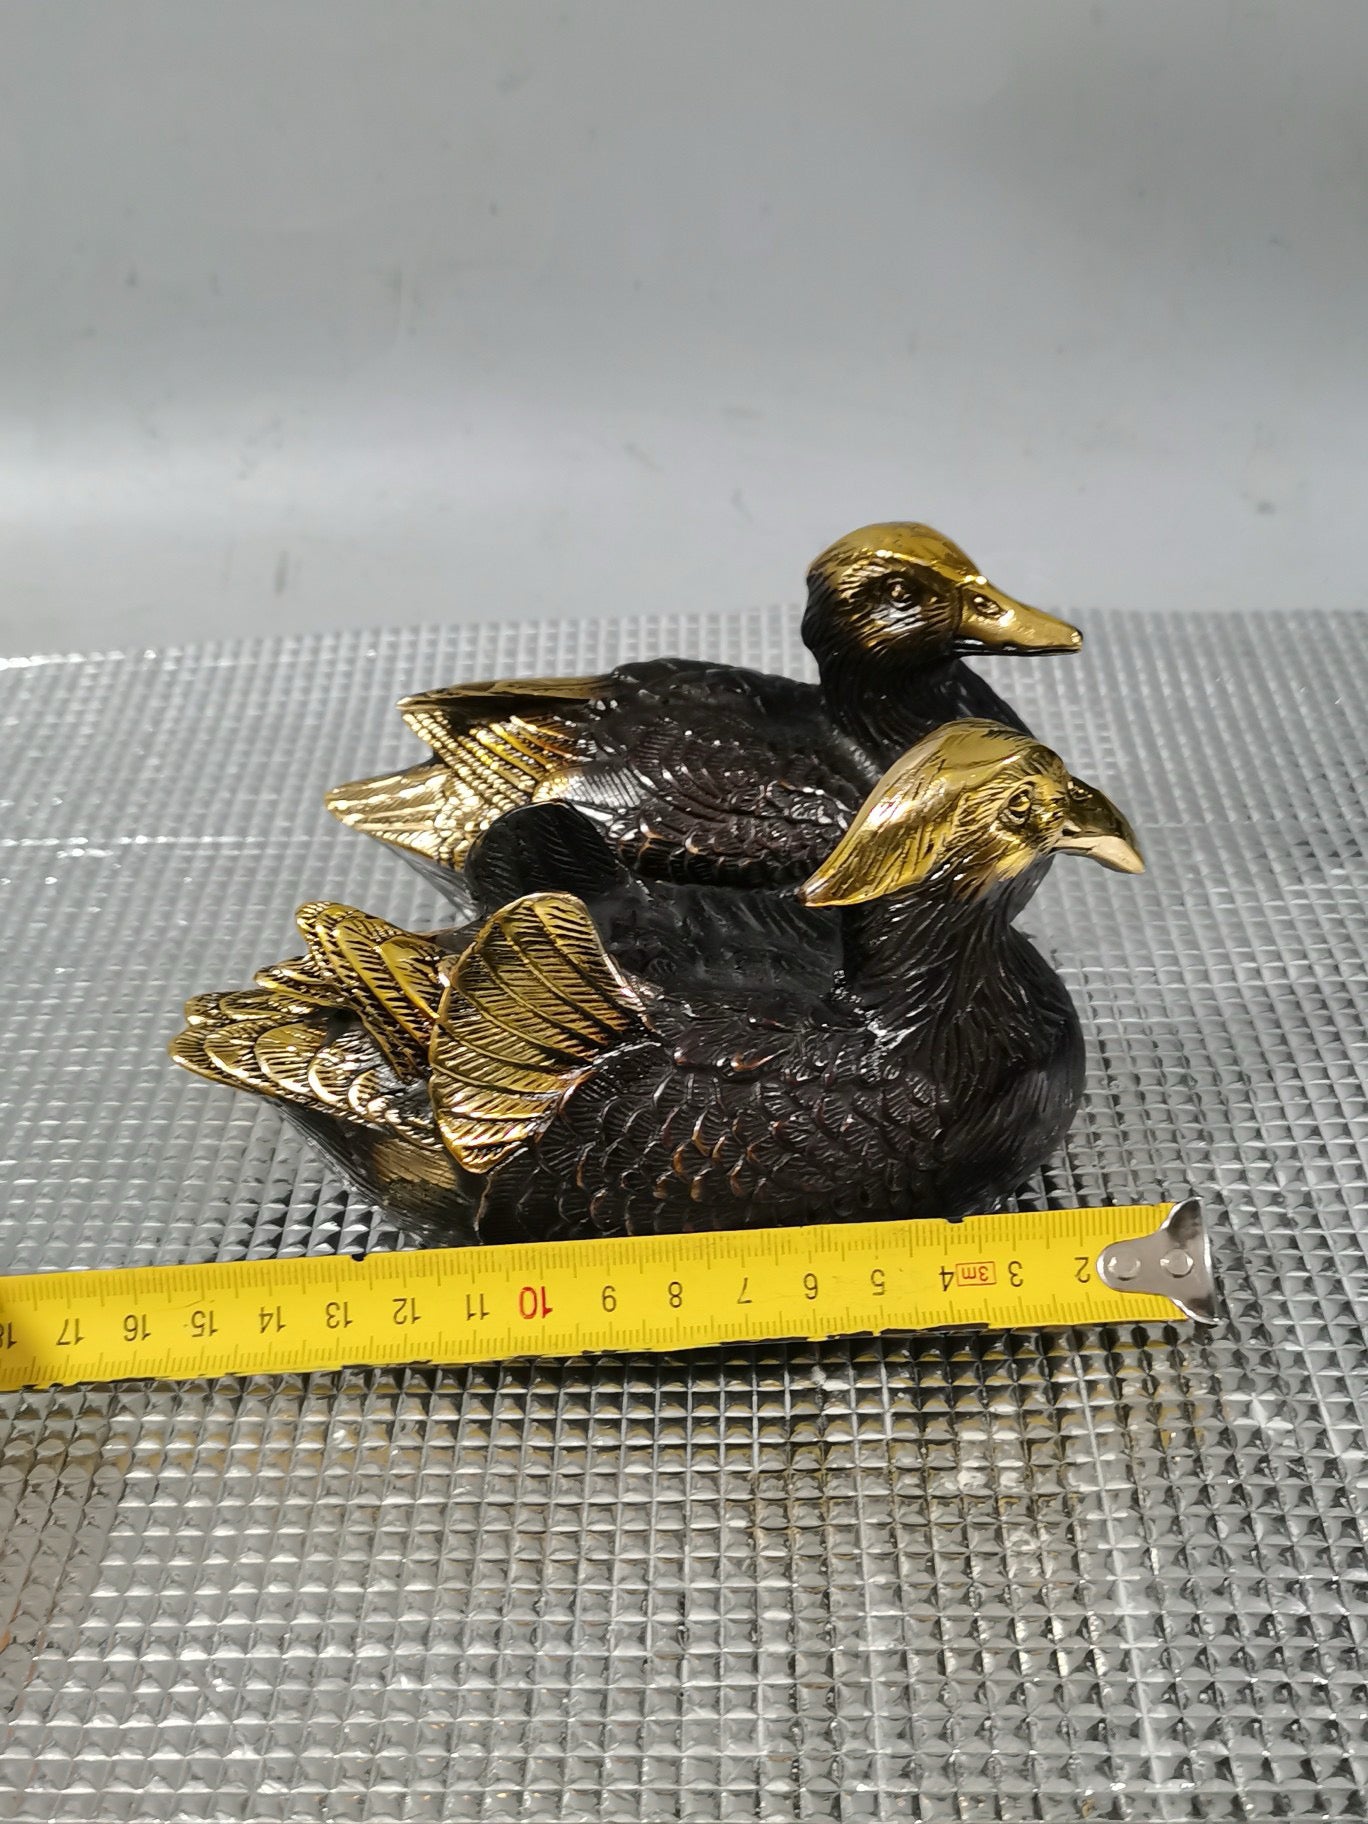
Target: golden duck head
(971, 807)
(905, 590)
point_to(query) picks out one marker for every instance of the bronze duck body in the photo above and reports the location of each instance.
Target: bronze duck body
(681, 936)
(533, 1087)
(701, 771)
(857, 1106)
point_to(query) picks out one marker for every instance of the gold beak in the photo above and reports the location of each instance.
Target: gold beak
(1010, 626)
(1093, 826)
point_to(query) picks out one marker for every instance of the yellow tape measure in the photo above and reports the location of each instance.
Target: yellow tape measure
(567, 1298)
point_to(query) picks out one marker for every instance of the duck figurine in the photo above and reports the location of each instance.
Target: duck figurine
(527, 1086)
(701, 771)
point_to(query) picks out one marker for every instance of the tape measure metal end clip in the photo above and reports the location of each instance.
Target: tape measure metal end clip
(1174, 1262)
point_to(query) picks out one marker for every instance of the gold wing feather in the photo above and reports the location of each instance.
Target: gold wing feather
(387, 976)
(530, 1008)
(301, 979)
(441, 717)
(498, 745)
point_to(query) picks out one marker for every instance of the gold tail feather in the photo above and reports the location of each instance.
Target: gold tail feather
(437, 811)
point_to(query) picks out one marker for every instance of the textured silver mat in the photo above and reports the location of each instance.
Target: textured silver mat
(1099, 1574)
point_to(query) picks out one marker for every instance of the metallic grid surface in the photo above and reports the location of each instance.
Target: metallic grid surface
(1095, 1574)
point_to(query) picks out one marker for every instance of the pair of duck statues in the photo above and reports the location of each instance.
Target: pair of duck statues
(730, 949)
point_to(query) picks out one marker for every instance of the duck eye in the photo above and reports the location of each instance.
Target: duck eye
(897, 591)
(1017, 808)
(989, 609)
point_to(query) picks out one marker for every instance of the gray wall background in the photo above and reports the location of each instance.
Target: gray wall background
(349, 311)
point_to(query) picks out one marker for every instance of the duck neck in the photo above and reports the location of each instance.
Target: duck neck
(913, 960)
(885, 701)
